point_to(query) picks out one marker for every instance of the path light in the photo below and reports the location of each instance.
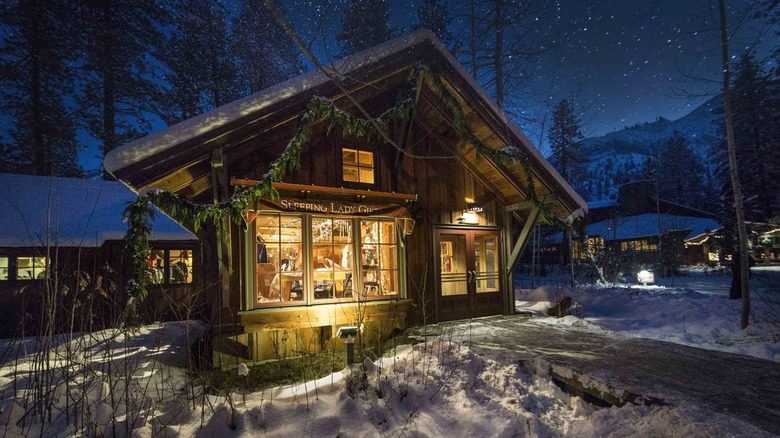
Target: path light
(645, 277)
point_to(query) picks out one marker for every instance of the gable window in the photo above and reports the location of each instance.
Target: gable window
(170, 266)
(31, 268)
(358, 166)
(3, 268)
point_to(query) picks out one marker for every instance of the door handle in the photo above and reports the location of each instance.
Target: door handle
(468, 277)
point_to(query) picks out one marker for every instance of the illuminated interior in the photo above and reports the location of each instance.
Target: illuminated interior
(302, 258)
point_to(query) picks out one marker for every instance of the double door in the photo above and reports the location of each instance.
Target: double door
(469, 271)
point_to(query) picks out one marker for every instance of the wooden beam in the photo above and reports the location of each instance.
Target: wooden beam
(304, 188)
(522, 240)
(524, 205)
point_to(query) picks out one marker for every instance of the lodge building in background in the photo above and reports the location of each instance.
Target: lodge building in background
(411, 226)
(62, 237)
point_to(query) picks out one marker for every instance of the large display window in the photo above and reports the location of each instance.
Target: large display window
(317, 259)
(278, 259)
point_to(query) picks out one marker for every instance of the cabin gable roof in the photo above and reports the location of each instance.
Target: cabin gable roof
(178, 159)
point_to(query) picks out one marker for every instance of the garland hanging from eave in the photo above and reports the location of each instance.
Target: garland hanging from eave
(508, 154)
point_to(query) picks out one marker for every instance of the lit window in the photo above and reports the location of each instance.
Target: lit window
(3, 268)
(278, 259)
(170, 266)
(378, 258)
(357, 166)
(31, 268)
(331, 245)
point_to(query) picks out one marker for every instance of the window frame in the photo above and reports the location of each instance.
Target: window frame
(164, 276)
(5, 268)
(340, 281)
(358, 149)
(36, 271)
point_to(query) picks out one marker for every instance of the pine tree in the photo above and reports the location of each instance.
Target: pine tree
(365, 24)
(122, 78)
(434, 16)
(567, 155)
(36, 82)
(266, 55)
(203, 71)
(680, 173)
(757, 148)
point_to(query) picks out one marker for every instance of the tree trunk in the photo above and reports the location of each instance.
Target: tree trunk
(498, 57)
(35, 89)
(733, 172)
(109, 81)
(473, 38)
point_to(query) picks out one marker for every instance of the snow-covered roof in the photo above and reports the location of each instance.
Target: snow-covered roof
(69, 212)
(645, 225)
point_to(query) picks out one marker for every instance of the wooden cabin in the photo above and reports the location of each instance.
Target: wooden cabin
(61, 245)
(421, 220)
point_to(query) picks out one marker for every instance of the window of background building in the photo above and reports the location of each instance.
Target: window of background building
(31, 268)
(279, 258)
(170, 266)
(357, 166)
(3, 268)
(638, 245)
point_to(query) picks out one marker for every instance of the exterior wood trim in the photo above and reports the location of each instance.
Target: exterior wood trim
(304, 188)
(519, 245)
(326, 315)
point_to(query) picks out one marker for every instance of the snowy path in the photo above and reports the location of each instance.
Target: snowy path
(744, 387)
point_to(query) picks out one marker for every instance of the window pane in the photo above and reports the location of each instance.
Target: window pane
(29, 268)
(367, 175)
(180, 266)
(278, 264)
(332, 258)
(156, 266)
(350, 174)
(378, 258)
(3, 268)
(366, 159)
(349, 156)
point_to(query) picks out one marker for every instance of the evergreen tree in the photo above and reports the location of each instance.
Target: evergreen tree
(122, 83)
(755, 123)
(680, 173)
(365, 24)
(266, 54)
(434, 16)
(567, 154)
(755, 128)
(35, 78)
(203, 71)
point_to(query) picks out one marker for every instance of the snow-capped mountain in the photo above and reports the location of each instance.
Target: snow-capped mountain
(617, 157)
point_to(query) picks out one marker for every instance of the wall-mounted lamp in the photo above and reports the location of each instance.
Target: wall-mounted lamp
(472, 207)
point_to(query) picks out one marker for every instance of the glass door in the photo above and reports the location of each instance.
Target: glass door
(469, 273)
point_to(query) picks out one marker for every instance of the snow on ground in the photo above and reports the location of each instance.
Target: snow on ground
(436, 388)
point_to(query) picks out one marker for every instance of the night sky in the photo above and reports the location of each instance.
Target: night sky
(621, 62)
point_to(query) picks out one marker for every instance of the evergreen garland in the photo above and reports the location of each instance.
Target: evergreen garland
(140, 213)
